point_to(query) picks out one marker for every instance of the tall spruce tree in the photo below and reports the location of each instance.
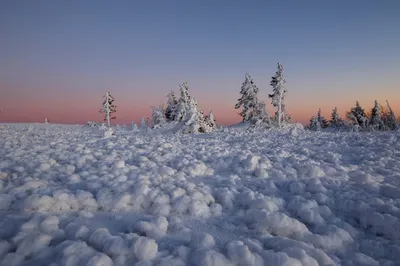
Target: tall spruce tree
(108, 108)
(315, 124)
(321, 120)
(172, 103)
(357, 114)
(249, 99)
(375, 121)
(391, 118)
(278, 84)
(336, 121)
(183, 103)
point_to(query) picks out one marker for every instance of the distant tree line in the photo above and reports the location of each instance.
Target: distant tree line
(378, 118)
(184, 115)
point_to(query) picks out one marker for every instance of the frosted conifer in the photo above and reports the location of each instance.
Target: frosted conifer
(315, 125)
(186, 111)
(183, 103)
(195, 121)
(172, 104)
(249, 99)
(261, 117)
(357, 114)
(391, 122)
(336, 121)
(158, 118)
(143, 123)
(375, 121)
(108, 107)
(210, 121)
(278, 84)
(321, 120)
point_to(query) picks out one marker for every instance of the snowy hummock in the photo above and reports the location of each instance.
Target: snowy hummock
(69, 196)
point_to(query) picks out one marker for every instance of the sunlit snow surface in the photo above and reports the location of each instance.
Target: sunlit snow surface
(69, 196)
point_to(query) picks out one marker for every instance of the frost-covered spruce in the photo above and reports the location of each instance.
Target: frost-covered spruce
(336, 121)
(315, 124)
(278, 96)
(249, 99)
(108, 107)
(321, 120)
(157, 118)
(194, 120)
(358, 116)
(391, 122)
(189, 114)
(183, 103)
(210, 121)
(172, 105)
(375, 121)
(143, 123)
(261, 118)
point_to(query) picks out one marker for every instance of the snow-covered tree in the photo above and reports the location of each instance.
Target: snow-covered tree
(108, 107)
(336, 121)
(261, 117)
(183, 103)
(46, 121)
(185, 112)
(391, 122)
(158, 118)
(134, 126)
(249, 99)
(321, 120)
(91, 123)
(194, 119)
(108, 132)
(357, 114)
(210, 121)
(172, 105)
(315, 124)
(278, 96)
(375, 121)
(143, 123)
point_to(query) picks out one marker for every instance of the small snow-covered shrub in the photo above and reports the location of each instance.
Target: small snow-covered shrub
(92, 124)
(109, 132)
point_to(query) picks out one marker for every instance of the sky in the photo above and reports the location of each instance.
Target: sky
(58, 58)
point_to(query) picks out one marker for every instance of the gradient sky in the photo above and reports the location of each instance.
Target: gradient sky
(57, 58)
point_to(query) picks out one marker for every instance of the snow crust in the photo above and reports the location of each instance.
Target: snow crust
(70, 196)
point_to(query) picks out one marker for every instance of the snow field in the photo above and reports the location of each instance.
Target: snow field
(70, 196)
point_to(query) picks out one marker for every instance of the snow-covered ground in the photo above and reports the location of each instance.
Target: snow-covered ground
(68, 196)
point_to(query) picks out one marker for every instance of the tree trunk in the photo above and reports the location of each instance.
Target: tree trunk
(279, 114)
(108, 115)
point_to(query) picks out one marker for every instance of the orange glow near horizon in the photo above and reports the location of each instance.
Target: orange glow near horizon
(34, 104)
(75, 112)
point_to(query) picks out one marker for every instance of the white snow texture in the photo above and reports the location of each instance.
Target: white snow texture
(70, 196)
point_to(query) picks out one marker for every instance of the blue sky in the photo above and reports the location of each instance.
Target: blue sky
(143, 49)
